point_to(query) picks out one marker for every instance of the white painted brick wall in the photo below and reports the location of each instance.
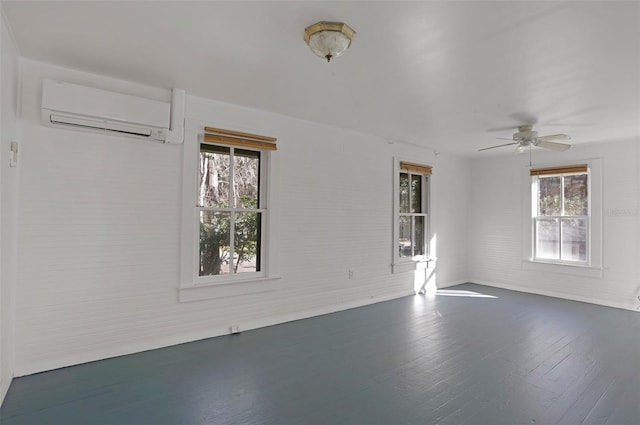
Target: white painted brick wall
(497, 225)
(99, 230)
(9, 73)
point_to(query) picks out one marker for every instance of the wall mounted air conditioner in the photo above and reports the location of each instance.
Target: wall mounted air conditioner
(90, 109)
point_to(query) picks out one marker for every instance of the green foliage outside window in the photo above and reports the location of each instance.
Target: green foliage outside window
(215, 249)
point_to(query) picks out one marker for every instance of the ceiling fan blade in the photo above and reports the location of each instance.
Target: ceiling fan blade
(525, 118)
(553, 137)
(560, 147)
(507, 128)
(504, 138)
(498, 146)
(520, 118)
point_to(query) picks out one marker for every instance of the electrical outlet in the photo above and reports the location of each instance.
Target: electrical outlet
(351, 274)
(234, 329)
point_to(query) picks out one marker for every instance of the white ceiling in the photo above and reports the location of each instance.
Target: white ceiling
(439, 74)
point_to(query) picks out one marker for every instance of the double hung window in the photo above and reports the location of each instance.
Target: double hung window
(227, 216)
(561, 214)
(412, 200)
(231, 210)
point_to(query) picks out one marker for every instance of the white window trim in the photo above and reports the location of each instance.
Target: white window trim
(194, 287)
(405, 264)
(535, 187)
(593, 268)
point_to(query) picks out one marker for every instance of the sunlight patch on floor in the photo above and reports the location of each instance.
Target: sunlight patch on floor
(462, 293)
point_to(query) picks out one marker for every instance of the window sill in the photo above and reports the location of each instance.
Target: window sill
(564, 268)
(410, 266)
(191, 292)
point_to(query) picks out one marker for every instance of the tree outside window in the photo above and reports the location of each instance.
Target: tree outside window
(412, 217)
(561, 217)
(230, 210)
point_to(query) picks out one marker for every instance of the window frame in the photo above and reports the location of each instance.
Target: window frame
(592, 269)
(192, 286)
(536, 218)
(233, 210)
(402, 264)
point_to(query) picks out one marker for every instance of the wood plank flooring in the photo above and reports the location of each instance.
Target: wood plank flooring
(468, 355)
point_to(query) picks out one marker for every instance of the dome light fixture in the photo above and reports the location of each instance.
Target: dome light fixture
(328, 40)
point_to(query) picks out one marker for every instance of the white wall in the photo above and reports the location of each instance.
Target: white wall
(8, 200)
(99, 230)
(498, 222)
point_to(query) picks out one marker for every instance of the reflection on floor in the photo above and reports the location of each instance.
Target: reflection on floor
(466, 355)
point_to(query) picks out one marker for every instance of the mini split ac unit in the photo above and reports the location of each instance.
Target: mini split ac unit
(90, 109)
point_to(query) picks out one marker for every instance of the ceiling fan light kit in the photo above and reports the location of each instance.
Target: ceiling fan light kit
(526, 136)
(328, 40)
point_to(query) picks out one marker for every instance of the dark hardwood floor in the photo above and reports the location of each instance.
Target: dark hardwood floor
(468, 355)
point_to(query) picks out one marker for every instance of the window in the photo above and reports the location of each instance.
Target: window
(227, 215)
(230, 211)
(561, 214)
(412, 209)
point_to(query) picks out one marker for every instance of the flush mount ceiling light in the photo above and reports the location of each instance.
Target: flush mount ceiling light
(329, 39)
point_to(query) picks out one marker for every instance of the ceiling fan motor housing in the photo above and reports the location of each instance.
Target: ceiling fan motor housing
(525, 136)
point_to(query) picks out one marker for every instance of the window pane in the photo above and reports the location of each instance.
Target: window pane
(548, 239)
(404, 239)
(416, 193)
(574, 239)
(246, 172)
(575, 195)
(213, 190)
(247, 243)
(404, 193)
(549, 190)
(214, 243)
(419, 229)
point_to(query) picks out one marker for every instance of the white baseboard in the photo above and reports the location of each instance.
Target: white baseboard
(453, 283)
(553, 294)
(137, 347)
(328, 310)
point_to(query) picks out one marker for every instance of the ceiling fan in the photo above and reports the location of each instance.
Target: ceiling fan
(526, 137)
